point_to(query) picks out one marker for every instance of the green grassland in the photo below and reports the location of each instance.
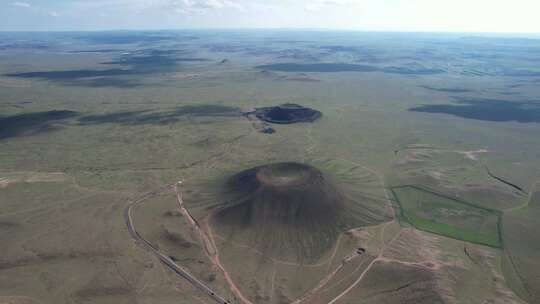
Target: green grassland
(433, 212)
(64, 239)
(522, 247)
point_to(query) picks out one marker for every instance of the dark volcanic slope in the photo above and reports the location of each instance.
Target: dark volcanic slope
(286, 210)
(287, 113)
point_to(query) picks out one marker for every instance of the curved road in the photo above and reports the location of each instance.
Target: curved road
(212, 251)
(163, 258)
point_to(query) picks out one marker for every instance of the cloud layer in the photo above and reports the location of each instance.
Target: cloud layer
(394, 15)
(20, 4)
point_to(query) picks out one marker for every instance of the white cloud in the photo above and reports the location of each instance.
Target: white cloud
(212, 4)
(319, 5)
(21, 4)
(202, 6)
(391, 15)
(127, 7)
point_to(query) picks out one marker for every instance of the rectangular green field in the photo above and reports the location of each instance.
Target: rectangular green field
(437, 213)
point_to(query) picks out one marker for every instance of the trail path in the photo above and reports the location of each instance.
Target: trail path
(204, 231)
(348, 258)
(179, 270)
(209, 245)
(379, 258)
(528, 201)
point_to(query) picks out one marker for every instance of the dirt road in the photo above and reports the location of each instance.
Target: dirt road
(163, 258)
(207, 239)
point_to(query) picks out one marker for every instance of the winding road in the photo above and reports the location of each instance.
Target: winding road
(211, 249)
(163, 258)
(207, 239)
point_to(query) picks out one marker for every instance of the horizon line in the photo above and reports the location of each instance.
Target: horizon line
(311, 29)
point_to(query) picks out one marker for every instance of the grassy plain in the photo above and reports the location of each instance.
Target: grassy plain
(522, 247)
(91, 121)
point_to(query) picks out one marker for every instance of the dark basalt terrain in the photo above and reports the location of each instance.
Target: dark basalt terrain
(287, 113)
(287, 210)
(284, 206)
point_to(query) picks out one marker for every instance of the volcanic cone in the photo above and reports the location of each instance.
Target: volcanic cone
(284, 209)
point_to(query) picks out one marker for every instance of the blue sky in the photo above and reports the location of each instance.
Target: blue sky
(381, 15)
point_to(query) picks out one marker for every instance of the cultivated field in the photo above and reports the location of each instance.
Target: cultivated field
(433, 212)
